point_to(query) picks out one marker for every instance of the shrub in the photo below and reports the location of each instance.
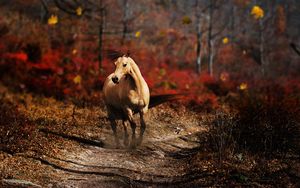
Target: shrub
(265, 122)
(221, 137)
(15, 129)
(268, 121)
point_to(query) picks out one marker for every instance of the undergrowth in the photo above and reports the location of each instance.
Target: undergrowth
(265, 121)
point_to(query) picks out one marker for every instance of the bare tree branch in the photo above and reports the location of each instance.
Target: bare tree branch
(221, 30)
(295, 48)
(44, 4)
(63, 8)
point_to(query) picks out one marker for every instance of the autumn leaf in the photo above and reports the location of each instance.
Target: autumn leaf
(225, 40)
(74, 51)
(77, 79)
(138, 34)
(162, 33)
(186, 20)
(243, 86)
(162, 72)
(257, 12)
(53, 20)
(79, 11)
(224, 76)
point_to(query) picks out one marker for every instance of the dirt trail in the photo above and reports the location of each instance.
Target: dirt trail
(81, 149)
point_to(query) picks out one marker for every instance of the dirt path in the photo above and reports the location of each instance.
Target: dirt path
(50, 143)
(79, 149)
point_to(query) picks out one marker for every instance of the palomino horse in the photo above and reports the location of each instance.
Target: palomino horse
(126, 93)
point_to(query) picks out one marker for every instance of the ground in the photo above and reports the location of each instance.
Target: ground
(73, 146)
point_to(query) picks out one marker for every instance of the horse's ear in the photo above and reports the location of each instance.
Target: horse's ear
(115, 62)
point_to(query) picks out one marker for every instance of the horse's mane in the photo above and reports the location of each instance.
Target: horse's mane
(135, 67)
(112, 54)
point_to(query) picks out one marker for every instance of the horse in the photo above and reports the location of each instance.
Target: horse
(125, 93)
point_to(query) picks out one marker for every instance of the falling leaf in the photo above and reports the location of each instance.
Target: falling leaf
(257, 12)
(186, 20)
(53, 20)
(79, 11)
(77, 79)
(162, 72)
(138, 34)
(225, 40)
(243, 86)
(162, 33)
(74, 51)
(224, 76)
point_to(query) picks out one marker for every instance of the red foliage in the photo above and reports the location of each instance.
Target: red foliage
(53, 74)
(20, 56)
(206, 79)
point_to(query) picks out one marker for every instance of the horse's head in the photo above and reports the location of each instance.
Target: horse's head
(123, 67)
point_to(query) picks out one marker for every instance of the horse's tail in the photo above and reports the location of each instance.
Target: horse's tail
(159, 99)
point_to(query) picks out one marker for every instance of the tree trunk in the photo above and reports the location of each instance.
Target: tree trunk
(210, 55)
(199, 36)
(261, 47)
(44, 11)
(232, 22)
(125, 21)
(100, 44)
(198, 51)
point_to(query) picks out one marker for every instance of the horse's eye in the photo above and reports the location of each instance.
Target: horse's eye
(124, 65)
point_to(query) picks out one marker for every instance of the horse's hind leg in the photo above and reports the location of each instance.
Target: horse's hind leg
(125, 133)
(113, 124)
(143, 128)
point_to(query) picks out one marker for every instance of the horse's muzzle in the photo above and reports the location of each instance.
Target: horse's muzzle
(115, 79)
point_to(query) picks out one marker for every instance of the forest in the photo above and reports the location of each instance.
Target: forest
(224, 80)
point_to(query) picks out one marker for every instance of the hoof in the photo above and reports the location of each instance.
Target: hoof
(139, 141)
(126, 142)
(117, 145)
(132, 145)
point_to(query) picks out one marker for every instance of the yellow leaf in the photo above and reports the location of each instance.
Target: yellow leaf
(77, 79)
(162, 72)
(79, 11)
(53, 20)
(162, 33)
(243, 86)
(74, 51)
(186, 20)
(257, 12)
(224, 76)
(138, 34)
(225, 40)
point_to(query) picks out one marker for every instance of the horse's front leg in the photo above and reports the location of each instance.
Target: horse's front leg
(133, 127)
(125, 133)
(143, 128)
(113, 124)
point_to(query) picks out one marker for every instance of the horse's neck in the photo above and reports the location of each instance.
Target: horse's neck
(138, 78)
